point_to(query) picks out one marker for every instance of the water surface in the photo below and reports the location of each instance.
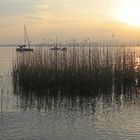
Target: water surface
(109, 115)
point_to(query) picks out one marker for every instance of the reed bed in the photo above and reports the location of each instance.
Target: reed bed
(80, 68)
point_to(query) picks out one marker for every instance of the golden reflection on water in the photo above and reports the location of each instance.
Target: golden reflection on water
(137, 63)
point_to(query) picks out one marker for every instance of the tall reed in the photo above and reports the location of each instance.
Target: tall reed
(85, 66)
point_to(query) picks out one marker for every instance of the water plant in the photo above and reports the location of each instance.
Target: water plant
(85, 66)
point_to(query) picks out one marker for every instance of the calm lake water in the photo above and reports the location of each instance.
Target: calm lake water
(41, 116)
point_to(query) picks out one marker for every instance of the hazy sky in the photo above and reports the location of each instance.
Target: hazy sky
(66, 19)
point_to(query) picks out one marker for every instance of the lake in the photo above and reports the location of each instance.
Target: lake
(40, 116)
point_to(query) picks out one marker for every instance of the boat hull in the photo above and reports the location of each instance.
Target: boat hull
(24, 49)
(55, 49)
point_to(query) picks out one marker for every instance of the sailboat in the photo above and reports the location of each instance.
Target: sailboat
(26, 45)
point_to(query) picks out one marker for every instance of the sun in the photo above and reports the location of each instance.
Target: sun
(130, 12)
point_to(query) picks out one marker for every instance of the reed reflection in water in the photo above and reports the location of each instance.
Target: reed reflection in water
(112, 114)
(60, 114)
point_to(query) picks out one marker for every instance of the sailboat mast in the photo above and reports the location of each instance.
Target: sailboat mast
(27, 42)
(25, 35)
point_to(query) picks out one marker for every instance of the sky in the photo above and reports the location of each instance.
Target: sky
(69, 19)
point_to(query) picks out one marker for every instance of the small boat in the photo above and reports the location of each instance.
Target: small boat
(26, 45)
(55, 48)
(22, 49)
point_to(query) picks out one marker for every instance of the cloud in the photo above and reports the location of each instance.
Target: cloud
(20, 7)
(12, 8)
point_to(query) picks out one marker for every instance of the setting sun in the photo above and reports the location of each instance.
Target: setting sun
(130, 12)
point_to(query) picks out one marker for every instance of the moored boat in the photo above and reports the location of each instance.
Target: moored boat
(26, 45)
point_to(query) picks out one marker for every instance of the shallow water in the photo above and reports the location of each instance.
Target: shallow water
(40, 116)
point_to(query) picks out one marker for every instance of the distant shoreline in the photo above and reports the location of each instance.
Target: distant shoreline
(15, 45)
